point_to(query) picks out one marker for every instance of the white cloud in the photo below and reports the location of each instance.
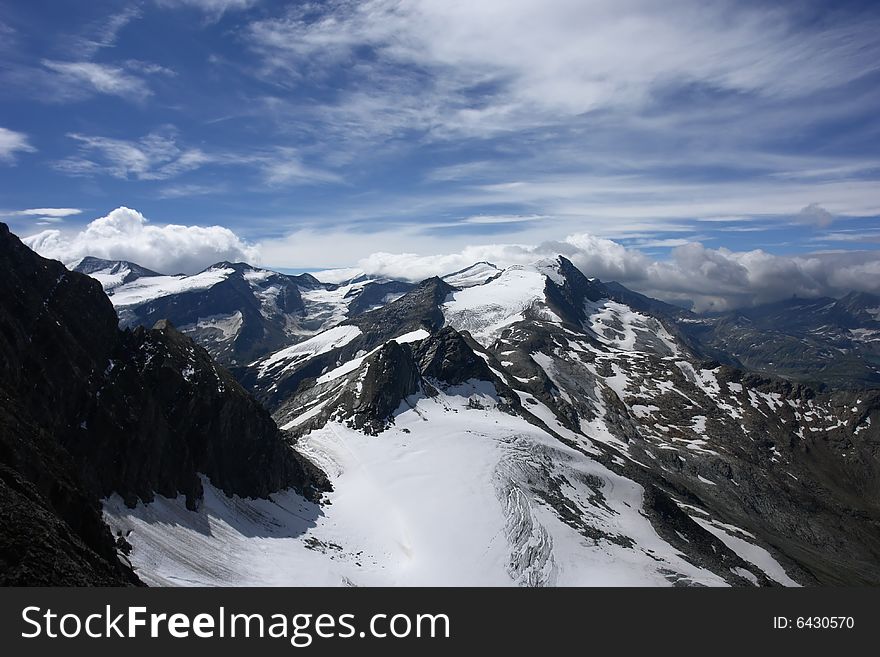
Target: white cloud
(214, 8)
(285, 167)
(155, 156)
(48, 212)
(12, 142)
(817, 215)
(102, 78)
(487, 219)
(458, 67)
(104, 33)
(160, 156)
(710, 279)
(125, 234)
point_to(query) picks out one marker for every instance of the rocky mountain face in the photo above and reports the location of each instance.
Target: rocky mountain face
(235, 311)
(88, 410)
(534, 426)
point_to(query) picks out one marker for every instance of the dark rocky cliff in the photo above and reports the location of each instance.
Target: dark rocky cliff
(87, 410)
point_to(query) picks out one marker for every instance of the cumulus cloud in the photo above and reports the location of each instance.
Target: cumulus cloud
(707, 279)
(817, 215)
(12, 142)
(125, 234)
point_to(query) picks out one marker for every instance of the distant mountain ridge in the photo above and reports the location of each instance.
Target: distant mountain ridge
(245, 313)
(236, 311)
(824, 342)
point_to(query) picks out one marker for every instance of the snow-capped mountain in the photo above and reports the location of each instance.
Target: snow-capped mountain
(236, 311)
(111, 273)
(527, 426)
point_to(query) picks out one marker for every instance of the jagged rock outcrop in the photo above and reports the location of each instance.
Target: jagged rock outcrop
(389, 377)
(447, 356)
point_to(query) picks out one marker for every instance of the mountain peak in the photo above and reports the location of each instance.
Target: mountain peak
(226, 264)
(112, 273)
(476, 274)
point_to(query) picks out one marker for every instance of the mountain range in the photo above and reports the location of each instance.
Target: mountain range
(239, 312)
(525, 425)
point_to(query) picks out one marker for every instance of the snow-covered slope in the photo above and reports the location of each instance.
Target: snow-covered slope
(530, 430)
(445, 497)
(476, 274)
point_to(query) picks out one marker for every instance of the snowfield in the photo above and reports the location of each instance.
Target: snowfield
(441, 499)
(154, 287)
(485, 310)
(338, 336)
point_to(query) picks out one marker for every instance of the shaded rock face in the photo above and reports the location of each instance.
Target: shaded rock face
(183, 416)
(51, 529)
(447, 356)
(568, 298)
(418, 308)
(86, 410)
(390, 377)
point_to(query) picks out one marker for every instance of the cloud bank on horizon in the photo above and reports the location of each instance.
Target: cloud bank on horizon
(125, 234)
(324, 132)
(696, 276)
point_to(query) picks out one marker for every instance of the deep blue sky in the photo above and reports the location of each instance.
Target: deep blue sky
(324, 131)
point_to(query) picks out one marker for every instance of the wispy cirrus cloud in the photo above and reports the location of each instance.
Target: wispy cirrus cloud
(285, 166)
(12, 143)
(212, 8)
(160, 155)
(100, 78)
(618, 119)
(47, 212)
(495, 66)
(39, 216)
(156, 156)
(73, 72)
(103, 33)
